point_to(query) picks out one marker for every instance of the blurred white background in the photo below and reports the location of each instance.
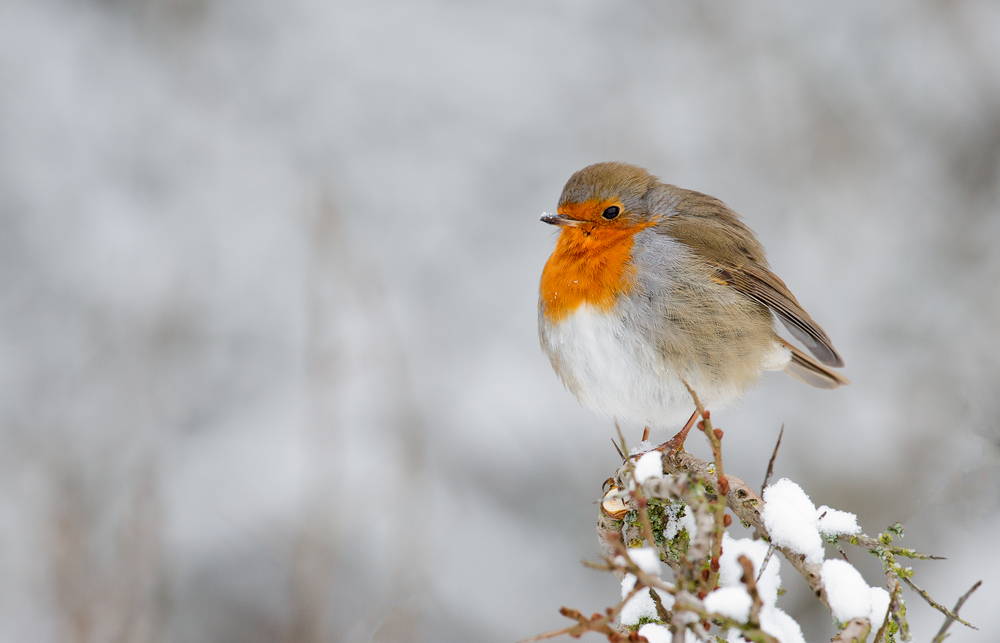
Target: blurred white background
(268, 363)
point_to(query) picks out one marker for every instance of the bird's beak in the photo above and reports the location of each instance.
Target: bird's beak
(561, 220)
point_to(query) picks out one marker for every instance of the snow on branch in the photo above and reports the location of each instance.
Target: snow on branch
(668, 507)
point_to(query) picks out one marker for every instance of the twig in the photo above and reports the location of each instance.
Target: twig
(677, 626)
(746, 504)
(938, 606)
(943, 632)
(695, 560)
(623, 450)
(897, 608)
(685, 604)
(596, 623)
(644, 579)
(751, 583)
(618, 449)
(774, 456)
(661, 611)
(870, 542)
(640, 498)
(856, 631)
(767, 559)
(885, 623)
(719, 506)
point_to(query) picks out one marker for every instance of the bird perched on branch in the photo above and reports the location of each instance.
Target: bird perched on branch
(652, 286)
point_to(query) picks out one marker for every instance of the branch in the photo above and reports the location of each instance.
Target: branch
(718, 508)
(938, 606)
(877, 545)
(746, 504)
(896, 611)
(751, 583)
(595, 623)
(770, 463)
(856, 631)
(943, 632)
(632, 514)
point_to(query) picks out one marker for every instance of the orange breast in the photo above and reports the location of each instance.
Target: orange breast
(590, 269)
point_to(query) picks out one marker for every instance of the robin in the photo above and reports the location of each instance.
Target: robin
(653, 288)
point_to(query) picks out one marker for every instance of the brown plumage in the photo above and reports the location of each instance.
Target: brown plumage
(716, 234)
(652, 285)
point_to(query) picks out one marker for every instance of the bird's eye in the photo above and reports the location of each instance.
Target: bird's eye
(611, 212)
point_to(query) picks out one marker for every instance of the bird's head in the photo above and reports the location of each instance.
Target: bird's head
(609, 196)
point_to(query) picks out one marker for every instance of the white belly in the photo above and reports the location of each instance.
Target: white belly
(616, 371)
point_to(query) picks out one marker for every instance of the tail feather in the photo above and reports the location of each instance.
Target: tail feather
(803, 367)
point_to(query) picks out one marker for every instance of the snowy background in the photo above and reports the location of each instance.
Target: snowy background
(268, 271)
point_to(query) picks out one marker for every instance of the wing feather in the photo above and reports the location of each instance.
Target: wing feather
(716, 234)
(765, 287)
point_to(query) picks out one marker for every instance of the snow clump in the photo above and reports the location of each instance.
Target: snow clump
(650, 465)
(730, 570)
(733, 602)
(641, 605)
(833, 522)
(790, 518)
(846, 591)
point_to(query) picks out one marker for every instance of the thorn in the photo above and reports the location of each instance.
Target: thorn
(620, 454)
(770, 463)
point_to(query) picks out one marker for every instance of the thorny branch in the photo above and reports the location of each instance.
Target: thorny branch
(705, 490)
(747, 505)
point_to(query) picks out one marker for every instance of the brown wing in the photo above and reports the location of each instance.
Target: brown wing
(716, 234)
(810, 371)
(762, 285)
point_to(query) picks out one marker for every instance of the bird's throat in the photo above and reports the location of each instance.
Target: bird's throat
(588, 267)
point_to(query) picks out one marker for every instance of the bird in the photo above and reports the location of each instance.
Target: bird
(653, 291)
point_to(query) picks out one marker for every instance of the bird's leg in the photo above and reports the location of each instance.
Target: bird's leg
(676, 443)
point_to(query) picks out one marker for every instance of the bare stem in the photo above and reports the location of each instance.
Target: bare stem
(719, 506)
(938, 606)
(870, 542)
(751, 583)
(855, 631)
(746, 504)
(770, 463)
(943, 632)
